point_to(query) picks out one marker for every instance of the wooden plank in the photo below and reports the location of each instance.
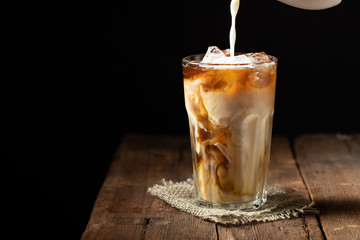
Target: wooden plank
(124, 209)
(283, 173)
(330, 165)
(175, 224)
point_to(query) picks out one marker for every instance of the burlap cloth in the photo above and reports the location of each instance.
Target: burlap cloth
(280, 204)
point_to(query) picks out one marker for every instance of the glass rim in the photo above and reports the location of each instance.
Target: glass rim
(185, 60)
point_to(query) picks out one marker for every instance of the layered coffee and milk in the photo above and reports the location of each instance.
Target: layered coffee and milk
(230, 105)
(229, 99)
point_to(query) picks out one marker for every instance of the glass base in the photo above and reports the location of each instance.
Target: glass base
(246, 206)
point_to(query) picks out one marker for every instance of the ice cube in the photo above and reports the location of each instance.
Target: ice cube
(213, 53)
(216, 56)
(261, 77)
(263, 70)
(239, 59)
(264, 74)
(227, 52)
(258, 57)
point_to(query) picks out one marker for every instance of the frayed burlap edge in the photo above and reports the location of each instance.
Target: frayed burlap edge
(279, 205)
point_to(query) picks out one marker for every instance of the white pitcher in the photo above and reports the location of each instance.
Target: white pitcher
(311, 4)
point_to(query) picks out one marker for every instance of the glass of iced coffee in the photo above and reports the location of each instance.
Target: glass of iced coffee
(230, 106)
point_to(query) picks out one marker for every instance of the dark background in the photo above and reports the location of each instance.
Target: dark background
(99, 71)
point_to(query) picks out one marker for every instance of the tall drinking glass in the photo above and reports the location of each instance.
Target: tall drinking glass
(230, 109)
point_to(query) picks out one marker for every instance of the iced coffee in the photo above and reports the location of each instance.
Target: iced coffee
(230, 106)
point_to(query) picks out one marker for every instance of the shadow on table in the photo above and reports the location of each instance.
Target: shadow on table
(349, 207)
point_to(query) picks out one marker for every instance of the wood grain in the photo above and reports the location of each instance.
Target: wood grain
(330, 165)
(124, 209)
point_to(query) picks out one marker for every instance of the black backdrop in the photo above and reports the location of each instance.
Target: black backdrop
(112, 69)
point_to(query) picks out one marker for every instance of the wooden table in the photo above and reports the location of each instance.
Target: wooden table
(323, 168)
